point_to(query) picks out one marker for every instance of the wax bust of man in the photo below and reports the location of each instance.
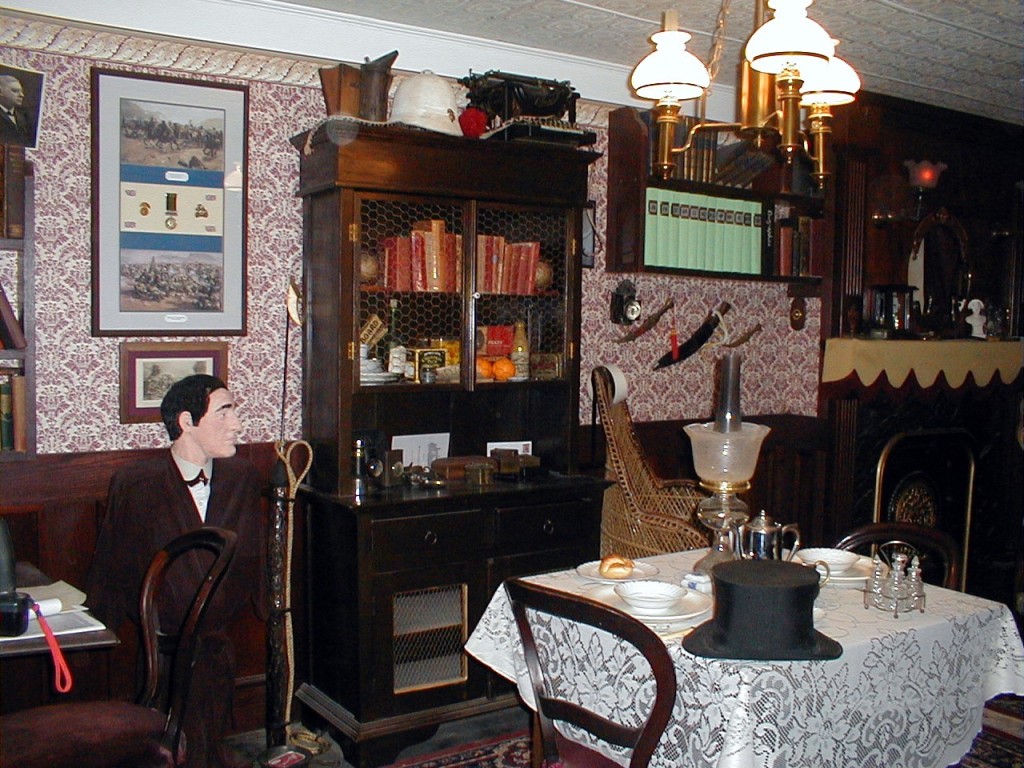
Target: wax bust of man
(150, 503)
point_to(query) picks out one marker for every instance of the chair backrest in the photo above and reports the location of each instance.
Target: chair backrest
(624, 456)
(176, 676)
(551, 705)
(938, 551)
(643, 514)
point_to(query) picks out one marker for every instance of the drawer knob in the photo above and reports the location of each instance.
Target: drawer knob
(430, 539)
(548, 527)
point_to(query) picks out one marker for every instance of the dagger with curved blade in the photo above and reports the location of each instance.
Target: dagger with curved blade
(697, 340)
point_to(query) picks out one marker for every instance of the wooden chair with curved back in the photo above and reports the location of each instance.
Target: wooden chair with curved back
(122, 734)
(643, 514)
(938, 551)
(531, 601)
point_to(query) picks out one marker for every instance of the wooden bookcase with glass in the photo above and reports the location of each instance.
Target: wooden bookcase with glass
(444, 297)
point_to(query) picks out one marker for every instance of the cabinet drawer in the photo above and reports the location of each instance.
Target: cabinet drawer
(544, 526)
(413, 542)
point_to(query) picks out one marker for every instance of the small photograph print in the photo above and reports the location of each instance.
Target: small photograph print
(169, 281)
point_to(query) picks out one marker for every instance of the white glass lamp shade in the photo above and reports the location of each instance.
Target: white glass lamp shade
(725, 457)
(836, 84)
(670, 72)
(790, 40)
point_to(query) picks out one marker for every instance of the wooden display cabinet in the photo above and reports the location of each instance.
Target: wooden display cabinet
(399, 577)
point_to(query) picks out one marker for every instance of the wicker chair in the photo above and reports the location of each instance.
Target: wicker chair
(643, 514)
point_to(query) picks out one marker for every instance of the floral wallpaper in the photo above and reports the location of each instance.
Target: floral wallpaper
(77, 388)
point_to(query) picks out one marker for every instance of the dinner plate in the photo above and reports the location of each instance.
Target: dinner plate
(592, 571)
(854, 576)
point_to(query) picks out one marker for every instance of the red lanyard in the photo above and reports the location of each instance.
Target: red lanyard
(61, 674)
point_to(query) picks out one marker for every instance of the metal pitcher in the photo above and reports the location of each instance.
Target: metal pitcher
(762, 539)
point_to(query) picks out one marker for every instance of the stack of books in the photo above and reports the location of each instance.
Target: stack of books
(429, 258)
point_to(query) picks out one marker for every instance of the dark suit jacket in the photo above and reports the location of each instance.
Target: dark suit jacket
(21, 132)
(148, 506)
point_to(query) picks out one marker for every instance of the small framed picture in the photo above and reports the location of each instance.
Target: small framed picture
(148, 369)
(169, 224)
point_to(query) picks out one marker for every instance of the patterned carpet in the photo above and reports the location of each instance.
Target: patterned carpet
(999, 745)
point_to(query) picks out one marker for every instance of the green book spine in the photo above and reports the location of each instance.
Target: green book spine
(651, 228)
(6, 415)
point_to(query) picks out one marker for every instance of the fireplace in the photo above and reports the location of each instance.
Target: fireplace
(926, 430)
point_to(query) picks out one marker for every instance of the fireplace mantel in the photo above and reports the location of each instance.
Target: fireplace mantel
(872, 362)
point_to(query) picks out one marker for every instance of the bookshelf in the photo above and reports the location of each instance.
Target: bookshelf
(709, 219)
(17, 357)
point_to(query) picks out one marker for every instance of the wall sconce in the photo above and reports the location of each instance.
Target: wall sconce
(924, 176)
(790, 52)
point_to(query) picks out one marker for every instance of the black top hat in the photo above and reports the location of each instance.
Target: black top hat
(764, 610)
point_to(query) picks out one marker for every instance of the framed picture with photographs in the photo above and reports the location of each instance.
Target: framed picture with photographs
(169, 201)
(148, 369)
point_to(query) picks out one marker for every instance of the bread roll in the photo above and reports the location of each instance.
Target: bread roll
(615, 567)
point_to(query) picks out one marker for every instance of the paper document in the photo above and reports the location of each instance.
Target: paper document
(67, 623)
(70, 597)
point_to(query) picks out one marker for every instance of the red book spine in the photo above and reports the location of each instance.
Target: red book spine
(418, 259)
(530, 277)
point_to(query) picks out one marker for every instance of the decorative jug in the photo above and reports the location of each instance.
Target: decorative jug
(762, 539)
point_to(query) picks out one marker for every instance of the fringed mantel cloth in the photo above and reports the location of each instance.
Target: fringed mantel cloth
(862, 367)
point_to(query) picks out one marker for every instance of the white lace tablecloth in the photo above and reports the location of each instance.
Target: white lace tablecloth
(906, 692)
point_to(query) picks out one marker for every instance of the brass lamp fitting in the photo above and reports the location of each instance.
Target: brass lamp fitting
(666, 117)
(820, 130)
(789, 83)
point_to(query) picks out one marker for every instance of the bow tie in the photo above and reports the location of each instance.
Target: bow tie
(200, 478)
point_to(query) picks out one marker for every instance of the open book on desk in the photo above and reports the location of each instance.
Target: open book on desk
(63, 607)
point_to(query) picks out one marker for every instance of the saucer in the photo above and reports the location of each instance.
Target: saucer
(853, 577)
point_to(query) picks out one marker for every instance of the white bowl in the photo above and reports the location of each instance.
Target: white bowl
(650, 596)
(838, 560)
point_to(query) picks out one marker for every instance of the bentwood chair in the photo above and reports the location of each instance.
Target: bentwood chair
(545, 656)
(938, 552)
(122, 734)
(643, 514)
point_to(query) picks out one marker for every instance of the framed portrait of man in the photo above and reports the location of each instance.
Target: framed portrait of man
(21, 101)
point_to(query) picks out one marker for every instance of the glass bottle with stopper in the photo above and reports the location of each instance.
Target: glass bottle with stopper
(520, 355)
(725, 454)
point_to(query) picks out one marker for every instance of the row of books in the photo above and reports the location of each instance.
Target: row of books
(794, 235)
(503, 267)
(687, 230)
(699, 162)
(13, 416)
(429, 258)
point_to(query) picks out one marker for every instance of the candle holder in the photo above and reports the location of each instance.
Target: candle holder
(725, 462)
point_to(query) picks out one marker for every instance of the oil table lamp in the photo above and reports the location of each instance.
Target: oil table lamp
(725, 454)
